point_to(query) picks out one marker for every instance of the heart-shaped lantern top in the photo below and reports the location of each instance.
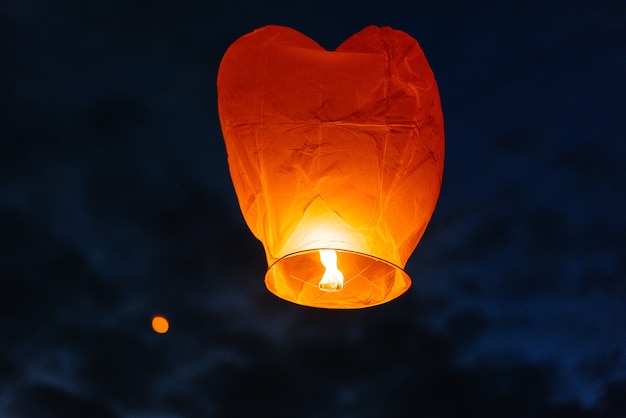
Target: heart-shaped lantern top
(336, 158)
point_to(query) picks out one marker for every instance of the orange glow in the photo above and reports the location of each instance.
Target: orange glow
(160, 324)
(336, 158)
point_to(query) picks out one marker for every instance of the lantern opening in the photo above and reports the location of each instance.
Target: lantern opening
(332, 280)
(365, 280)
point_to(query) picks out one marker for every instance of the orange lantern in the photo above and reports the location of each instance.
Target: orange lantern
(336, 159)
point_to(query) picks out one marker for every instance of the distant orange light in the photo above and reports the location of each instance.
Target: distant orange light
(160, 324)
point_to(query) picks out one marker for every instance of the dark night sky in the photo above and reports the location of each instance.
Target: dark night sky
(116, 205)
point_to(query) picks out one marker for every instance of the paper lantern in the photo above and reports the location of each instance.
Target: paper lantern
(336, 158)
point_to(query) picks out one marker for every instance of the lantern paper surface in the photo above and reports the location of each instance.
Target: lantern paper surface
(336, 158)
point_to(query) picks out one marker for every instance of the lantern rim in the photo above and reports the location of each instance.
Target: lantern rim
(385, 282)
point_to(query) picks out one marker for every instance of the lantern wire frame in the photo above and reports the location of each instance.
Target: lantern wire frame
(369, 280)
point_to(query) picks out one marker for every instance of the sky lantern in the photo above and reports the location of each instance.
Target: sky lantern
(336, 158)
(160, 324)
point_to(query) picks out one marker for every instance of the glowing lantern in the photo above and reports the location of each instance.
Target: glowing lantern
(160, 324)
(336, 159)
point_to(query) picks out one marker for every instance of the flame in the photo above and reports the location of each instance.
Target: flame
(332, 281)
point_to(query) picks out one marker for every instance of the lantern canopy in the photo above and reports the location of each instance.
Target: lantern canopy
(336, 158)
